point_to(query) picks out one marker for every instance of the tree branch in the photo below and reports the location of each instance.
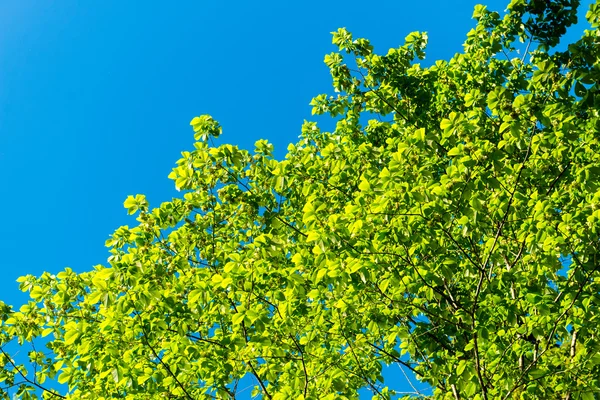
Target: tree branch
(27, 379)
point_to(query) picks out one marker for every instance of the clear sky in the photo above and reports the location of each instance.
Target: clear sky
(96, 99)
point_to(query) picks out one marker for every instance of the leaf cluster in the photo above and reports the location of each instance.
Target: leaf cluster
(449, 224)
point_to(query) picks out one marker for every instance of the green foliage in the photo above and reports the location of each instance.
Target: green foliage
(433, 235)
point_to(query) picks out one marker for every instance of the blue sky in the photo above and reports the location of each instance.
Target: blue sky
(96, 99)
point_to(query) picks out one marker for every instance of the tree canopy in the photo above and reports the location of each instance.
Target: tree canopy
(448, 224)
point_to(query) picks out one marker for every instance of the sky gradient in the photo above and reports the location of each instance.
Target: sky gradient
(96, 99)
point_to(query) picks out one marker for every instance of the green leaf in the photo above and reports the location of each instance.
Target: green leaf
(64, 377)
(71, 337)
(455, 151)
(364, 185)
(237, 319)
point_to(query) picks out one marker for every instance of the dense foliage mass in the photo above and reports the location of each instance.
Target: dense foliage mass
(449, 224)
